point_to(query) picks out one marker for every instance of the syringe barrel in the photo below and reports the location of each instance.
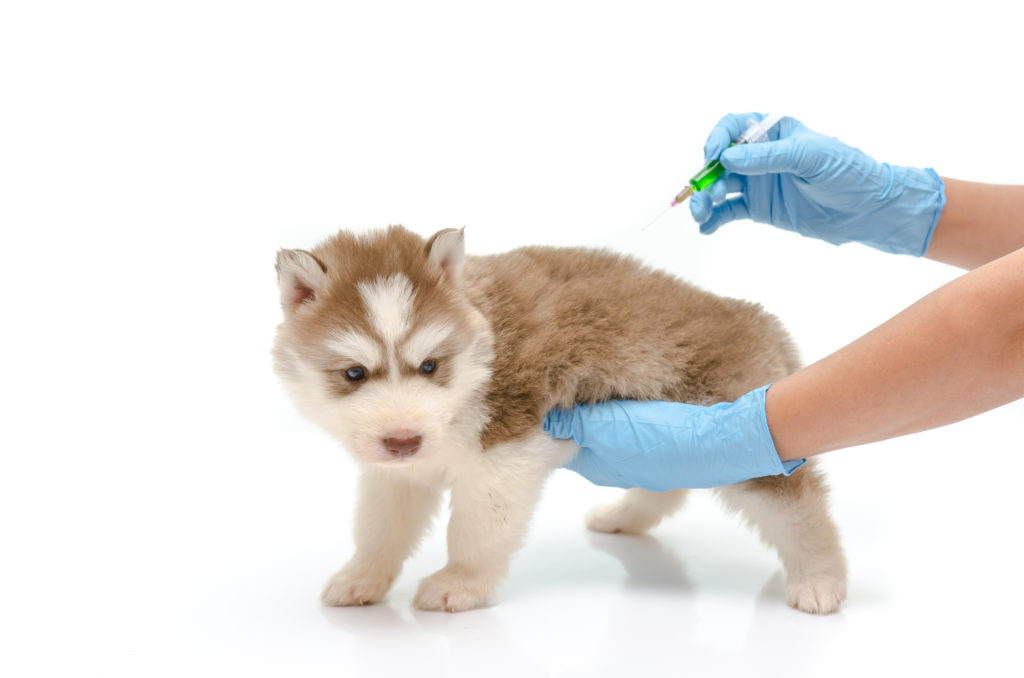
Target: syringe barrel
(758, 129)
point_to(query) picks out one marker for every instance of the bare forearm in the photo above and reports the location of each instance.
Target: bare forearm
(980, 223)
(956, 353)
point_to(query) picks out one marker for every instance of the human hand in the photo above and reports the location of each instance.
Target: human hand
(818, 186)
(666, 446)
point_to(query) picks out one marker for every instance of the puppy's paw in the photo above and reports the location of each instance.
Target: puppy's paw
(816, 594)
(619, 516)
(356, 584)
(448, 590)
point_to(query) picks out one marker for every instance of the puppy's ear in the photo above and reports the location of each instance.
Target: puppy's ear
(301, 277)
(447, 249)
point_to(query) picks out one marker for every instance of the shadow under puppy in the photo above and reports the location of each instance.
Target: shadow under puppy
(435, 370)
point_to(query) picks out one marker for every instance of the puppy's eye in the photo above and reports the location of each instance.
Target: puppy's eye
(428, 367)
(355, 373)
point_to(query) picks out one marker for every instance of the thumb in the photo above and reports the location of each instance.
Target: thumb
(558, 423)
(771, 157)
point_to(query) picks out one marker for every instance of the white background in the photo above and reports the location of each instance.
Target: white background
(165, 511)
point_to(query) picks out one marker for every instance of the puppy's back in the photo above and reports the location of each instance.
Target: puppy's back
(583, 325)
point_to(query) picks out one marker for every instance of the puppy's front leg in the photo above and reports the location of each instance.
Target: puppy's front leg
(491, 509)
(391, 517)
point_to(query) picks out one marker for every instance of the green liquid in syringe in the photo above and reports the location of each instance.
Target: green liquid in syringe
(707, 176)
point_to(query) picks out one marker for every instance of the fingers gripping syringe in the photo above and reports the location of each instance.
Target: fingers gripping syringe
(756, 131)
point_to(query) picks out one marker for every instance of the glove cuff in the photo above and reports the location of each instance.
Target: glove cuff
(937, 209)
(558, 423)
(909, 209)
(761, 456)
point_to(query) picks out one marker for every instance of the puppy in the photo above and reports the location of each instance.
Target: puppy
(435, 369)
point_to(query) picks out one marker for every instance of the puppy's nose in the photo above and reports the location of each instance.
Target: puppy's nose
(403, 447)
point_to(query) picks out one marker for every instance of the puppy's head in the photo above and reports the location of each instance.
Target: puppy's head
(379, 344)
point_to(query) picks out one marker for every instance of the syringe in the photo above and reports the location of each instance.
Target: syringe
(756, 131)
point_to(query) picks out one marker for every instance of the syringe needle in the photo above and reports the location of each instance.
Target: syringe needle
(683, 195)
(657, 217)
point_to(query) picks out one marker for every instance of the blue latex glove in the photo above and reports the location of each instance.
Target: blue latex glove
(818, 186)
(666, 446)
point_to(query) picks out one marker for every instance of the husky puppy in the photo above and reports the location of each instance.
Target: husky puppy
(434, 369)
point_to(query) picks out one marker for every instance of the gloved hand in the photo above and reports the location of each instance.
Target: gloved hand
(666, 446)
(819, 187)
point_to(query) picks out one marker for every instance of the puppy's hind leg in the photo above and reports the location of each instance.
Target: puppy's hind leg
(391, 517)
(636, 511)
(791, 515)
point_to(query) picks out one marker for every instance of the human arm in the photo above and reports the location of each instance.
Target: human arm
(980, 223)
(955, 353)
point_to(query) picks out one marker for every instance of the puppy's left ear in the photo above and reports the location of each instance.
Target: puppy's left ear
(447, 249)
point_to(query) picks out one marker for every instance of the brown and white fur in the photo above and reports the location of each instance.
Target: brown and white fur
(508, 337)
